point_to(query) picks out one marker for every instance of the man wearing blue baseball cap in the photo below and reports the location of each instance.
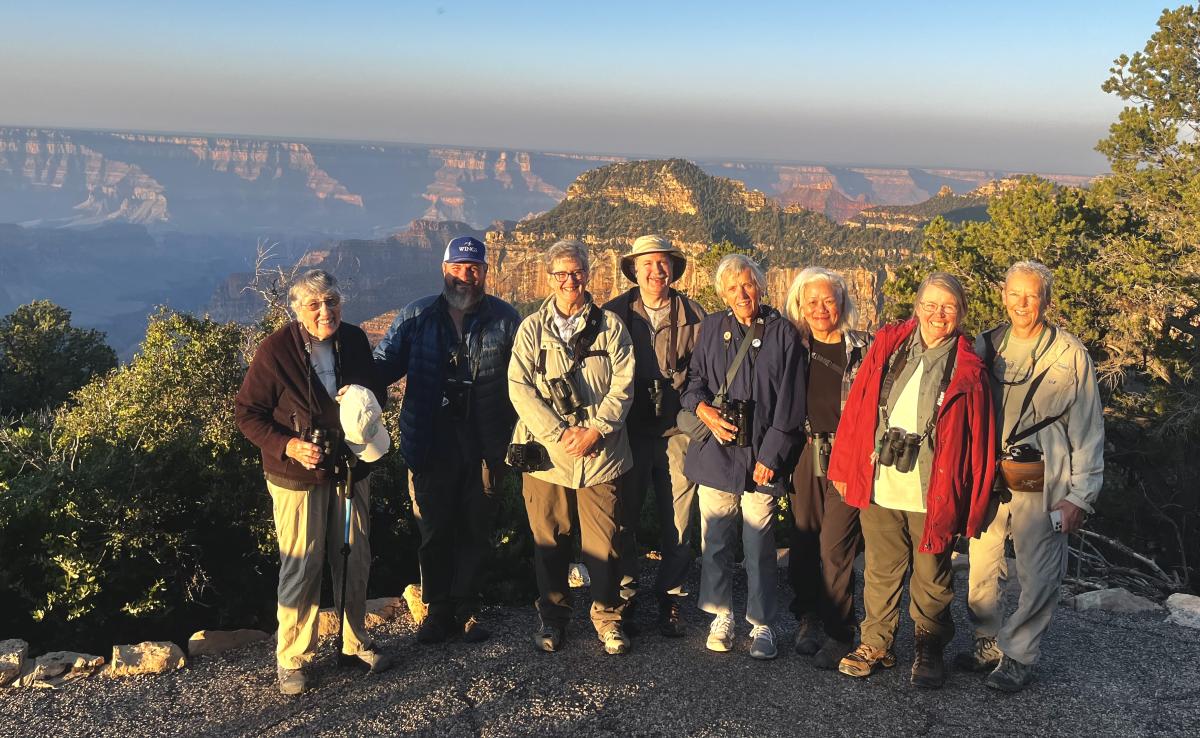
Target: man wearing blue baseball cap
(455, 424)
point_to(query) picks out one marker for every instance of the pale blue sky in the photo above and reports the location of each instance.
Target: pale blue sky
(1011, 85)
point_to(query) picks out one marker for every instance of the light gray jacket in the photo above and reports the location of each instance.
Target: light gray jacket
(605, 381)
(1073, 445)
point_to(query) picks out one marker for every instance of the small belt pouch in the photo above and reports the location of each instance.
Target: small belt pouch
(1023, 476)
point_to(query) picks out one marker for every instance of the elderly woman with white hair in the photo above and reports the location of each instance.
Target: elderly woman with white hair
(827, 534)
(916, 453)
(288, 407)
(743, 384)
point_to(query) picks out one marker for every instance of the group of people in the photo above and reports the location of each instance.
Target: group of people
(896, 444)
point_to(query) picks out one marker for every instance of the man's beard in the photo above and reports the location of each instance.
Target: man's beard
(462, 299)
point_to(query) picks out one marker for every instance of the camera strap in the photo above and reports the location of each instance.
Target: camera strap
(752, 338)
(1013, 435)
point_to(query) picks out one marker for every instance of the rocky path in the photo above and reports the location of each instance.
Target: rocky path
(1103, 674)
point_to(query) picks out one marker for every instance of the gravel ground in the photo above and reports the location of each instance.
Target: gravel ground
(1102, 674)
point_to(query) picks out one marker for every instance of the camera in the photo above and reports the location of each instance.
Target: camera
(648, 398)
(528, 457)
(898, 448)
(739, 413)
(1022, 452)
(564, 396)
(822, 449)
(456, 398)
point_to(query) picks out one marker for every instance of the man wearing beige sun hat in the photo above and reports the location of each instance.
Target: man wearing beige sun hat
(663, 324)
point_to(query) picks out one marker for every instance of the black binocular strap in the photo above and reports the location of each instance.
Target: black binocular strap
(1013, 436)
(754, 334)
(581, 343)
(893, 371)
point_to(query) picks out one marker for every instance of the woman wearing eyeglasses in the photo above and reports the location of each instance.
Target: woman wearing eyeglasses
(571, 382)
(288, 407)
(915, 451)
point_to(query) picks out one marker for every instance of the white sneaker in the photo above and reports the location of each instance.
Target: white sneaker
(720, 633)
(762, 642)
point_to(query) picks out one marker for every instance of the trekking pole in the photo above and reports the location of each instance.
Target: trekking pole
(346, 492)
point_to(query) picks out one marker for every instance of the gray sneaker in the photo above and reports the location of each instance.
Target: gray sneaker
(762, 642)
(984, 656)
(291, 681)
(1011, 676)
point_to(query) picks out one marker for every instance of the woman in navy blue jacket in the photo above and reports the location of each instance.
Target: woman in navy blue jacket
(755, 416)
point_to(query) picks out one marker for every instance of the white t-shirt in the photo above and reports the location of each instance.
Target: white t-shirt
(894, 490)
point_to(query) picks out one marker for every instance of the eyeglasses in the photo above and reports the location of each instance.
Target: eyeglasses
(577, 275)
(933, 307)
(330, 302)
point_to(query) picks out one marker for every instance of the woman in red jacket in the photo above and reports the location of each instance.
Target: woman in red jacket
(915, 451)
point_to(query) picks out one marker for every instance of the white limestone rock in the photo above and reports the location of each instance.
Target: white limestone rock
(13, 653)
(55, 668)
(148, 657)
(208, 642)
(1114, 600)
(1184, 610)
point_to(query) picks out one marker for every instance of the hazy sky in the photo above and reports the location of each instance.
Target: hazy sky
(1009, 85)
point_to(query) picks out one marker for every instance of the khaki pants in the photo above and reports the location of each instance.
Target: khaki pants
(1041, 564)
(891, 538)
(553, 511)
(310, 525)
(718, 536)
(658, 462)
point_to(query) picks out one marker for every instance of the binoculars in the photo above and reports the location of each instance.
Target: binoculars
(898, 448)
(528, 457)
(822, 444)
(564, 396)
(457, 398)
(739, 413)
(1022, 452)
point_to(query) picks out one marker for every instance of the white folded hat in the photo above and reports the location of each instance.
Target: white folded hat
(362, 422)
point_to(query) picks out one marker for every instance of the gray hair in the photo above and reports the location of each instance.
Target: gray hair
(735, 264)
(847, 312)
(949, 283)
(313, 283)
(1037, 269)
(567, 249)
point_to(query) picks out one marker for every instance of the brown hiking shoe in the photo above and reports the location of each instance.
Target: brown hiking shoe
(864, 660)
(929, 666)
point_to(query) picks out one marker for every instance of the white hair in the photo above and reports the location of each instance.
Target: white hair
(847, 311)
(1037, 269)
(735, 264)
(313, 283)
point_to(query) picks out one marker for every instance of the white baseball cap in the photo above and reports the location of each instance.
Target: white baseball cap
(362, 422)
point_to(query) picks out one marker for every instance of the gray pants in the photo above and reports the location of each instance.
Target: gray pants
(658, 462)
(1041, 564)
(891, 538)
(718, 535)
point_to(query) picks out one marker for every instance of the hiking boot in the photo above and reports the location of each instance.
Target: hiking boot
(549, 637)
(474, 632)
(984, 656)
(762, 642)
(864, 660)
(929, 666)
(720, 633)
(808, 636)
(670, 619)
(434, 629)
(369, 657)
(831, 653)
(1011, 675)
(615, 641)
(291, 681)
(628, 610)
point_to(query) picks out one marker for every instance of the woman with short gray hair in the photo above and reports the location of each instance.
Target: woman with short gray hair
(827, 534)
(567, 248)
(736, 264)
(916, 453)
